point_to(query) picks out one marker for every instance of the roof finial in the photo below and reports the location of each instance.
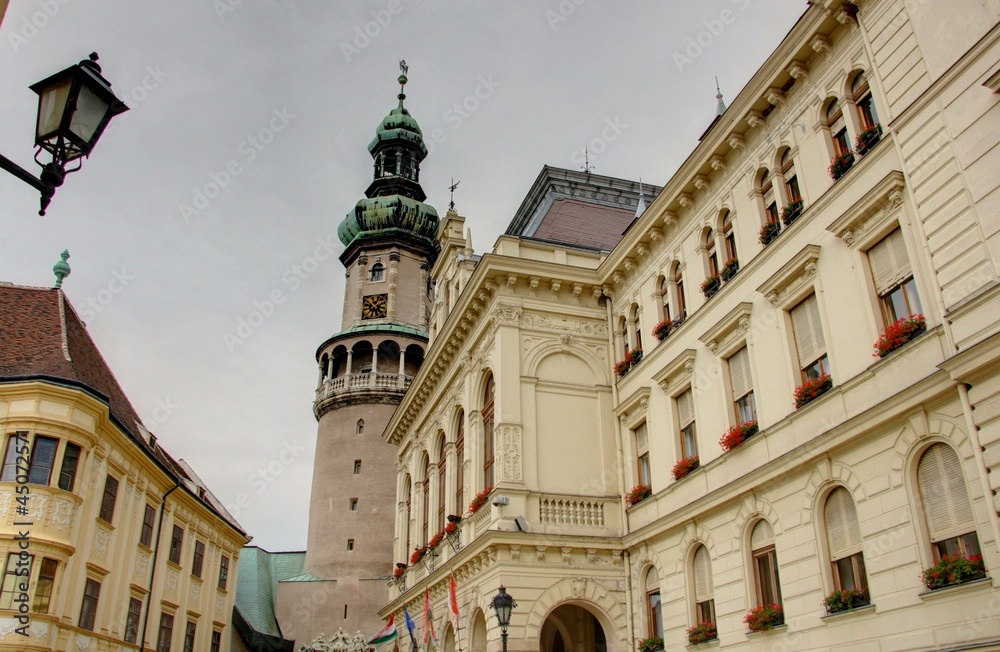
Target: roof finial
(721, 106)
(403, 69)
(61, 269)
(641, 208)
(587, 167)
(454, 184)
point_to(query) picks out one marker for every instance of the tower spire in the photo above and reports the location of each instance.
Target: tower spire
(403, 69)
(720, 108)
(641, 207)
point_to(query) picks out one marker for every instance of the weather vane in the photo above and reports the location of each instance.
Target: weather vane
(403, 68)
(587, 167)
(454, 184)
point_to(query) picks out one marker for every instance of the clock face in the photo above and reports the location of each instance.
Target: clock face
(374, 306)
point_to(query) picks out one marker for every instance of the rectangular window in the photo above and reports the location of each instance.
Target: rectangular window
(770, 203)
(43, 457)
(132, 620)
(642, 454)
(16, 575)
(176, 544)
(88, 609)
(43, 588)
(357, 467)
(189, 633)
(966, 545)
(166, 633)
(108, 501)
(148, 517)
(17, 445)
(216, 641)
(354, 504)
(742, 384)
(654, 612)
(70, 462)
(199, 558)
(685, 414)
(893, 277)
(223, 572)
(849, 574)
(350, 544)
(809, 339)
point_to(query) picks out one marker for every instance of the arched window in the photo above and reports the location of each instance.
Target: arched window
(408, 493)
(843, 537)
(664, 291)
(361, 426)
(654, 610)
(704, 590)
(442, 482)
(636, 327)
(642, 454)
(729, 237)
(945, 498)
(679, 290)
(488, 452)
(713, 256)
(377, 272)
(460, 464)
(623, 333)
(838, 128)
(867, 113)
(791, 179)
(425, 511)
(765, 565)
(767, 193)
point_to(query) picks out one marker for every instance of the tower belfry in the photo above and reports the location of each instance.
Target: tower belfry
(391, 244)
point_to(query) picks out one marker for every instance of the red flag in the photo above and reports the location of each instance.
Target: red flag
(453, 598)
(429, 632)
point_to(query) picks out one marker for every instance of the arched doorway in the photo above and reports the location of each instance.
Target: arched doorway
(572, 628)
(478, 632)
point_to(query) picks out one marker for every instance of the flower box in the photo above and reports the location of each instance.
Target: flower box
(435, 540)
(450, 528)
(840, 164)
(761, 619)
(638, 494)
(702, 633)
(398, 572)
(791, 212)
(621, 367)
(685, 466)
(868, 139)
(635, 356)
(661, 330)
(840, 601)
(651, 644)
(769, 232)
(729, 269)
(811, 389)
(417, 555)
(736, 435)
(480, 500)
(898, 334)
(711, 286)
(951, 570)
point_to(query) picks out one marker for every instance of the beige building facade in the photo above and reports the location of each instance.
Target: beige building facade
(108, 543)
(760, 450)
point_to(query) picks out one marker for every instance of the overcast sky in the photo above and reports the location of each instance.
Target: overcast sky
(246, 144)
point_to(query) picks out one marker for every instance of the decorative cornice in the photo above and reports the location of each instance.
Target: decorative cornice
(737, 141)
(798, 70)
(821, 44)
(677, 371)
(775, 96)
(718, 164)
(787, 284)
(637, 402)
(754, 118)
(872, 213)
(720, 338)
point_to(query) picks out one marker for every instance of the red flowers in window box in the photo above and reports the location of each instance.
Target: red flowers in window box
(435, 540)
(621, 367)
(840, 164)
(450, 528)
(898, 334)
(840, 601)
(738, 434)
(417, 555)
(685, 466)
(811, 389)
(764, 618)
(769, 232)
(729, 269)
(702, 633)
(638, 494)
(661, 330)
(954, 569)
(480, 500)
(711, 285)
(651, 644)
(398, 572)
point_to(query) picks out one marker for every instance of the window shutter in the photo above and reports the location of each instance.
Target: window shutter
(808, 331)
(739, 373)
(652, 581)
(762, 536)
(703, 589)
(685, 408)
(943, 493)
(890, 264)
(842, 532)
(641, 440)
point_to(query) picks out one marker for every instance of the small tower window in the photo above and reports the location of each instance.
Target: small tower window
(357, 467)
(350, 545)
(361, 426)
(378, 272)
(354, 504)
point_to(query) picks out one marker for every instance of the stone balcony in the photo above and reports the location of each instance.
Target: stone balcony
(334, 389)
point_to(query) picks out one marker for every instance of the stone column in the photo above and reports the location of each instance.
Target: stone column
(374, 373)
(350, 363)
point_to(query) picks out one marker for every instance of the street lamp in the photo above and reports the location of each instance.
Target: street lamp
(75, 105)
(503, 603)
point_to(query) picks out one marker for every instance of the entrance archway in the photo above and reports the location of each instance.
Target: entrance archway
(572, 628)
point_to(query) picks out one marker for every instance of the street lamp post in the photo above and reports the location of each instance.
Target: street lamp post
(503, 603)
(75, 105)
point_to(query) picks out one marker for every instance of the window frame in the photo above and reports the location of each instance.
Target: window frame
(109, 499)
(67, 476)
(687, 431)
(33, 467)
(489, 446)
(190, 634)
(146, 531)
(166, 626)
(14, 580)
(198, 559)
(91, 598)
(460, 462)
(132, 618)
(176, 544)
(223, 573)
(45, 579)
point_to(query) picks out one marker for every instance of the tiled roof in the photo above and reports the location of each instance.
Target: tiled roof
(42, 338)
(580, 223)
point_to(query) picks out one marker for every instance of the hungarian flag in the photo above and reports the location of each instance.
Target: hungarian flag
(429, 633)
(453, 598)
(387, 634)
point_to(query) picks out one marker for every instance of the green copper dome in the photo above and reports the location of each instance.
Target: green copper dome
(398, 125)
(378, 216)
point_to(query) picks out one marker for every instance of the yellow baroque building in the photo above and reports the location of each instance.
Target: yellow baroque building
(762, 415)
(108, 543)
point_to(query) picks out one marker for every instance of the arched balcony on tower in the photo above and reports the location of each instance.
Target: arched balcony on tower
(371, 363)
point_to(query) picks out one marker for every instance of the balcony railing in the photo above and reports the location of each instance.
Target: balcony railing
(356, 382)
